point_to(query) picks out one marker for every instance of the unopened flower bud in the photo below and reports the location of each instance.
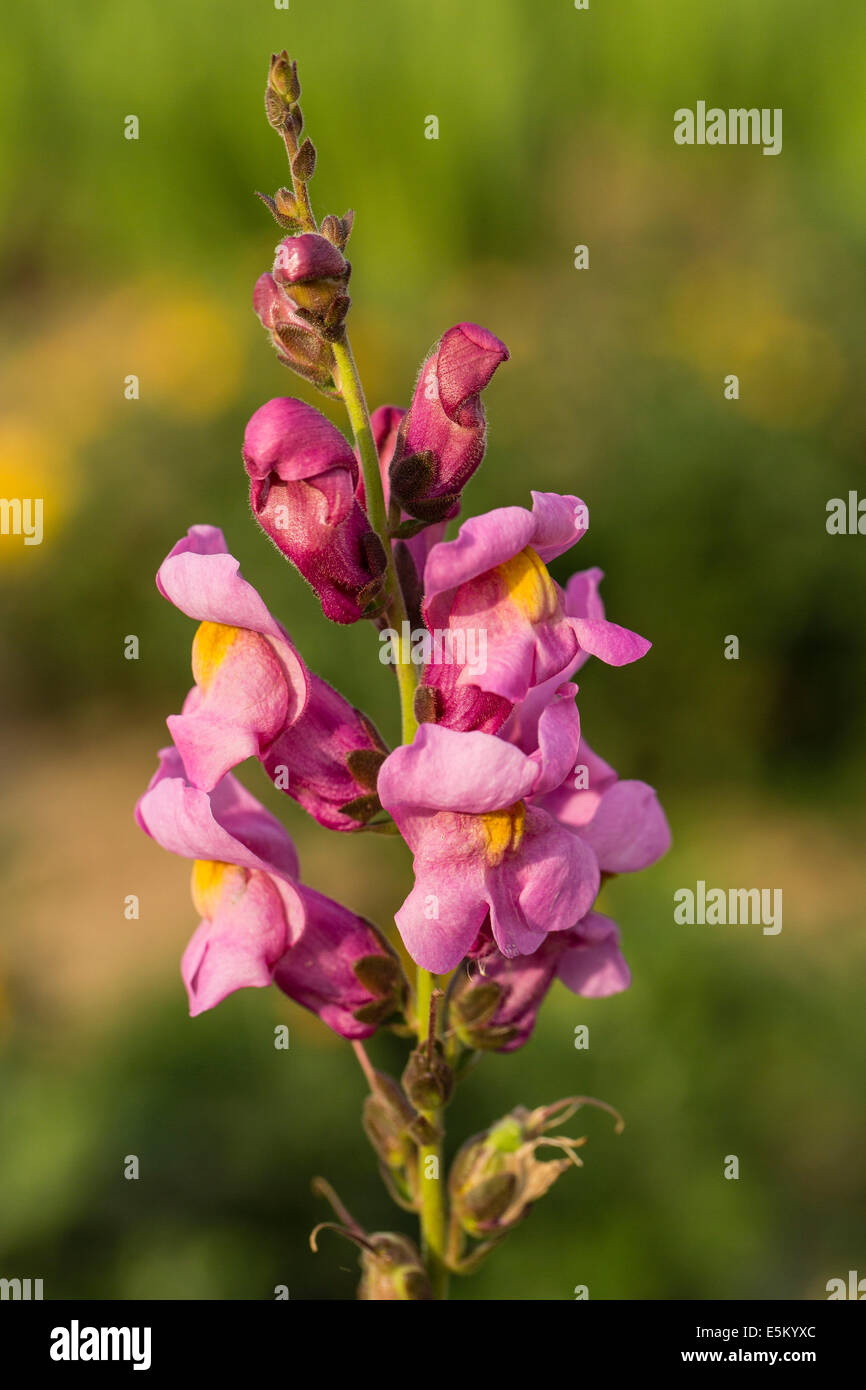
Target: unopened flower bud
(304, 162)
(428, 1080)
(442, 437)
(392, 1270)
(297, 343)
(303, 476)
(283, 76)
(312, 272)
(337, 229)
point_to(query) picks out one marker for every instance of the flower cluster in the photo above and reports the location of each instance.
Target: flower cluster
(513, 821)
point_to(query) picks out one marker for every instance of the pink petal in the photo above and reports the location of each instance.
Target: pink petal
(615, 645)
(591, 963)
(439, 942)
(229, 826)
(448, 771)
(238, 948)
(629, 830)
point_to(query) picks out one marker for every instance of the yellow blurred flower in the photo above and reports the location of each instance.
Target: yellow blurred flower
(33, 465)
(724, 322)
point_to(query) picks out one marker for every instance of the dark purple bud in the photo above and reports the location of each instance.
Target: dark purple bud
(298, 345)
(445, 426)
(302, 491)
(312, 272)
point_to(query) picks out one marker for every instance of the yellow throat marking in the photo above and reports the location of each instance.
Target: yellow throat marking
(208, 877)
(503, 831)
(529, 585)
(210, 646)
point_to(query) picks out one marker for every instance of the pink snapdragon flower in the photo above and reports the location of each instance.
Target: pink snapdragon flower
(493, 580)
(328, 760)
(621, 820)
(464, 804)
(303, 476)
(250, 682)
(442, 436)
(244, 881)
(553, 632)
(495, 1003)
(260, 925)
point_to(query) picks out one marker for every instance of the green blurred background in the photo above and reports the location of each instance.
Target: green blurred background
(118, 256)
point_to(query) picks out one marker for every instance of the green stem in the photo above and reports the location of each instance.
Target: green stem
(299, 187)
(432, 1214)
(395, 607)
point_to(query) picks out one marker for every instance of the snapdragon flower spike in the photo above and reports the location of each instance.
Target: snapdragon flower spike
(462, 803)
(303, 476)
(328, 760)
(260, 925)
(298, 345)
(250, 682)
(442, 437)
(494, 1003)
(492, 582)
